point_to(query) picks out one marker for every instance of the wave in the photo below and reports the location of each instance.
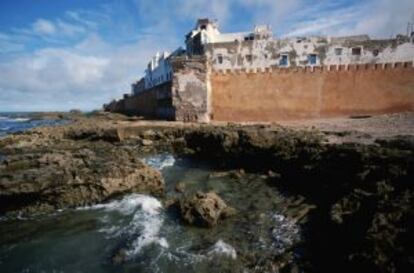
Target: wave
(221, 248)
(160, 162)
(146, 221)
(11, 119)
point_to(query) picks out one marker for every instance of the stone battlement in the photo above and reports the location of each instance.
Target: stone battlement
(324, 68)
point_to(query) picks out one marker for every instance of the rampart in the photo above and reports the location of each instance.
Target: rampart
(274, 94)
(184, 98)
(152, 103)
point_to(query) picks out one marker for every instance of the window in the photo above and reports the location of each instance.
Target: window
(356, 51)
(249, 58)
(312, 59)
(220, 59)
(375, 52)
(203, 27)
(338, 51)
(284, 59)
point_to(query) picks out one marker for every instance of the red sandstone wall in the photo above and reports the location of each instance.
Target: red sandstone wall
(297, 93)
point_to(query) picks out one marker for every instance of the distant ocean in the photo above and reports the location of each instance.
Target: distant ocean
(20, 121)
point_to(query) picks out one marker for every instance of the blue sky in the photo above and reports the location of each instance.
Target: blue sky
(59, 55)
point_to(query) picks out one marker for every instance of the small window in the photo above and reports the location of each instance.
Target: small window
(356, 51)
(266, 56)
(338, 51)
(283, 60)
(312, 59)
(249, 58)
(246, 38)
(375, 52)
(203, 27)
(220, 59)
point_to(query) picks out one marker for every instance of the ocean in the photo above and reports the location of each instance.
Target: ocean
(22, 121)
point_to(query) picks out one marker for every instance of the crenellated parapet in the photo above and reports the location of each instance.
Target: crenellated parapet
(318, 69)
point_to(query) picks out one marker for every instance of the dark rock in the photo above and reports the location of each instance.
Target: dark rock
(41, 182)
(204, 209)
(180, 187)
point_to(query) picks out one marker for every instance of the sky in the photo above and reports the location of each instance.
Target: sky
(79, 54)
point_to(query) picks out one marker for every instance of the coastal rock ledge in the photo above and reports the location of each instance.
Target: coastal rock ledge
(40, 182)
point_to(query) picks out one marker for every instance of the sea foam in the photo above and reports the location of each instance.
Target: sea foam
(222, 249)
(147, 220)
(160, 162)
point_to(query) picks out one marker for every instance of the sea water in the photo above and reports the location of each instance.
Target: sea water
(17, 122)
(136, 233)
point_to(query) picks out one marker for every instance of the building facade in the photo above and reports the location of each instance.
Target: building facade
(213, 61)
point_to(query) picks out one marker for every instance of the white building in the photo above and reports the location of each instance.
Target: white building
(207, 31)
(158, 70)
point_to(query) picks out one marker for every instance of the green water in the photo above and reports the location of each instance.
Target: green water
(136, 234)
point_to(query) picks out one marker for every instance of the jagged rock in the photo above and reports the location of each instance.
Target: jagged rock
(204, 209)
(237, 174)
(180, 187)
(147, 142)
(43, 181)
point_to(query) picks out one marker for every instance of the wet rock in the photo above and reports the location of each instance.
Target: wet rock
(43, 181)
(120, 257)
(237, 174)
(273, 174)
(180, 187)
(204, 209)
(147, 142)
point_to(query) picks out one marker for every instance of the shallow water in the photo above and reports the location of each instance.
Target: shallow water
(136, 234)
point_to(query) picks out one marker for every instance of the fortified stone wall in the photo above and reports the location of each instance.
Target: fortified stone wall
(312, 92)
(154, 103)
(190, 89)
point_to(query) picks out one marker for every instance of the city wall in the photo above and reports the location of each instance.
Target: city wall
(311, 92)
(151, 103)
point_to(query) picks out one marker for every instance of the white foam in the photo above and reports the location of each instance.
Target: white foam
(223, 249)
(284, 233)
(160, 162)
(19, 119)
(129, 204)
(147, 221)
(10, 119)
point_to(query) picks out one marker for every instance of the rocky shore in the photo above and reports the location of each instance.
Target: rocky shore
(352, 195)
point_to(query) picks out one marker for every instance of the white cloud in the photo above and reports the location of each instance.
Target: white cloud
(42, 26)
(7, 45)
(79, 67)
(89, 74)
(69, 29)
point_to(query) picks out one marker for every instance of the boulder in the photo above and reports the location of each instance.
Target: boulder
(204, 209)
